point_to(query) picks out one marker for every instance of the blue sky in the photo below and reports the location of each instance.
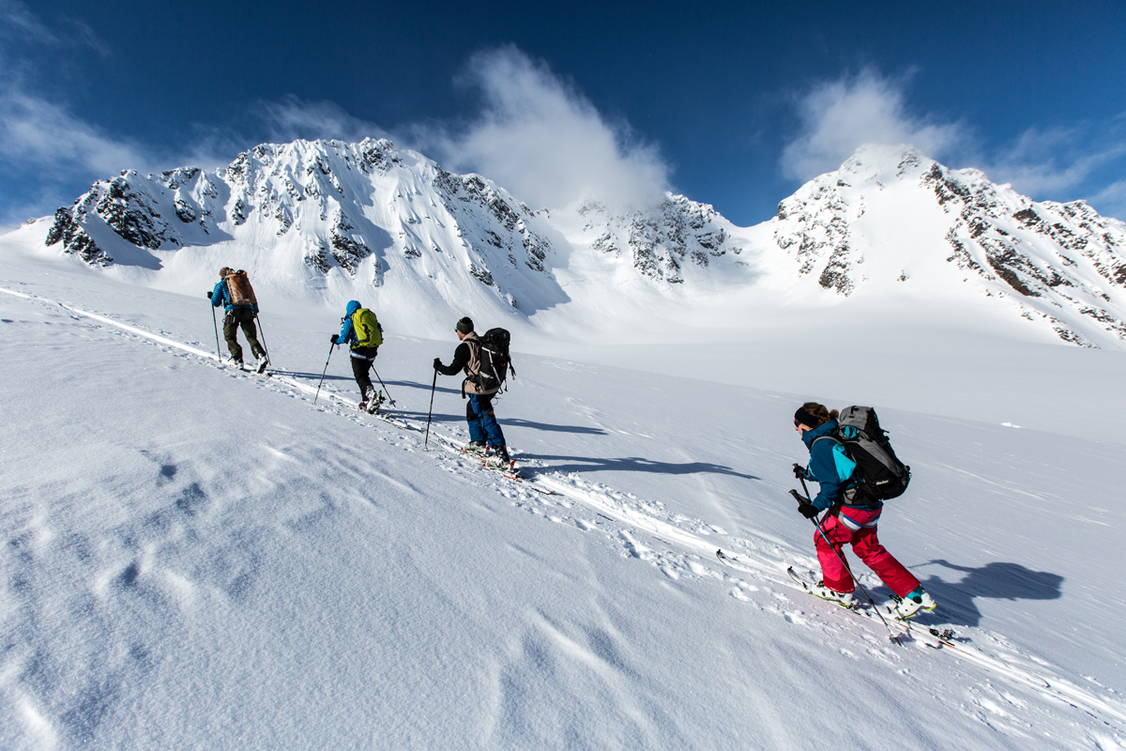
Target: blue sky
(735, 104)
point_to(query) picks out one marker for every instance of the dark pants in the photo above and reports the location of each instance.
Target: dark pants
(483, 425)
(362, 360)
(241, 317)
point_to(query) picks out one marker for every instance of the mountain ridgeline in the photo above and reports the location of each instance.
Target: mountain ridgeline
(385, 217)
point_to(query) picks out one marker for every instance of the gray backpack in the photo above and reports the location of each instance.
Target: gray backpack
(880, 475)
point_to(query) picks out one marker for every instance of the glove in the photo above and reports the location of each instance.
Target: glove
(799, 471)
(208, 293)
(334, 339)
(437, 363)
(808, 510)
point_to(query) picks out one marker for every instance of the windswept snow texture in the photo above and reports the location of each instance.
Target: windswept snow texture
(197, 557)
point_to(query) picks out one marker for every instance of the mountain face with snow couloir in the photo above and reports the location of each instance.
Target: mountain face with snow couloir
(888, 221)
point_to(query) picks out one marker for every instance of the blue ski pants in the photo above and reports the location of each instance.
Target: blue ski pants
(483, 425)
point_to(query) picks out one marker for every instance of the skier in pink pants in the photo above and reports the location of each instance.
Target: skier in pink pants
(851, 519)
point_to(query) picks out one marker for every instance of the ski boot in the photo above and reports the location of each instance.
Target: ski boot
(368, 402)
(476, 448)
(375, 402)
(844, 599)
(903, 608)
(496, 457)
(262, 363)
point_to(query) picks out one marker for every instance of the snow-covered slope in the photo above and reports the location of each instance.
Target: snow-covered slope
(202, 558)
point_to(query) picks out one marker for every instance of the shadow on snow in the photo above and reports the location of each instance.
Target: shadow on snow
(999, 580)
(633, 464)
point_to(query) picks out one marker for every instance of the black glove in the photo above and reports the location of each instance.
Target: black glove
(808, 510)
(208, 293)
(437, 363)
(334, 339)
(799, 471)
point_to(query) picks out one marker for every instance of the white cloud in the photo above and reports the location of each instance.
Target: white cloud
(37, 133)
(1047, 161)
(546, 142)
(19, 24)
(293, 118)
(58, 150)
(837, 117)
(1111, 200)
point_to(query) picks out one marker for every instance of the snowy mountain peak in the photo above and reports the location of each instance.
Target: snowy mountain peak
(889, 214)
(328, 218)
(877, 164)
(678, 237)
(309, 209)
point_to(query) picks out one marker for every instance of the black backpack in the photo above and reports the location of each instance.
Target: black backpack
(496, 361)
(880, 475)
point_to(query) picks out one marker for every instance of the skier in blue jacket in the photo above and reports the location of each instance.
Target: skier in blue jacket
(237, 315)
(851, 519)
(362, 332)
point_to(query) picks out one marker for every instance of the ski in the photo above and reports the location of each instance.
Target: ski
(945, 637)
(456, 448)
(807, 587)
(511, 472)
(933, 637)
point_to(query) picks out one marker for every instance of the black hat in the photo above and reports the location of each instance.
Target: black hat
(801, 417)
(465, 325)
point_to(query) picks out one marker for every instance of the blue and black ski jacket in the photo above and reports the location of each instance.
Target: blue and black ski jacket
(830, 467)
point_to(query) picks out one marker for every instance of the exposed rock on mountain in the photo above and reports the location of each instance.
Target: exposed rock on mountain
(660, 243)
(390, 218)
(1053, 261)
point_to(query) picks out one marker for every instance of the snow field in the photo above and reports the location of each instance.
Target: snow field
(318, 583)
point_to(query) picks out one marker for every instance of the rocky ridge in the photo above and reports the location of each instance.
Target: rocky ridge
(376, 209)
(347, 202)
(661, 242)
(1052, 261)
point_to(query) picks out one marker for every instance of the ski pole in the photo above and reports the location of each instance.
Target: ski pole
(382, 384)
(215, 323)
(840, 557)
(263, 331)
(330, 349)
(433, 387)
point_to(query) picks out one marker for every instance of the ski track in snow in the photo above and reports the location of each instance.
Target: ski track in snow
(565, 499)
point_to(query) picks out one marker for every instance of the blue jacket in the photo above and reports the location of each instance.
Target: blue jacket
(829, 465)
(347, 332)
(222, 296)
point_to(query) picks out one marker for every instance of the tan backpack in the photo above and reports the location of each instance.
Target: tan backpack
(238, 287)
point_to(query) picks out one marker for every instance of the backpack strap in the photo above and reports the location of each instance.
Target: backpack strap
(823, 437)
(848, 488)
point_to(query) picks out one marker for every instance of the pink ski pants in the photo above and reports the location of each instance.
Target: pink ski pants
(858, 528)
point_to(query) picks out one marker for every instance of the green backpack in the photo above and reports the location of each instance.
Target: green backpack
(368, 331)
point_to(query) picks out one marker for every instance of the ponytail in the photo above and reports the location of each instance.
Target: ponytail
(812, 414)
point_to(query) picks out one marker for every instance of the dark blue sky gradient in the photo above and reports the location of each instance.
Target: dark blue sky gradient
(713, 85)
